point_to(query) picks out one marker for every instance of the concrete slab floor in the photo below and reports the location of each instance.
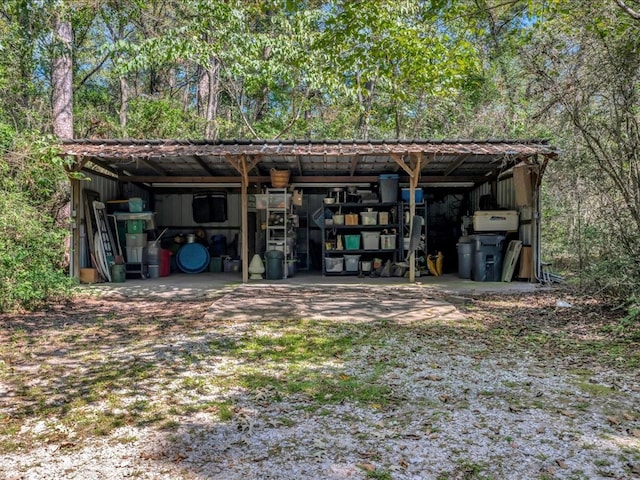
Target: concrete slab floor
(208, 284)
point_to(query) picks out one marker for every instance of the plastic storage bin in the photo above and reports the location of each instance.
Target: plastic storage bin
(371, 240)
(351, 263)
(333, 264)
(388, 187)
(351, 219)
(215, 265)
(136, 239)
(352, 242)
(369, 218)
(135, 226)
(417, 194)
(231, 265)
(136, 205)
(135, 254)
(383, 218)
(388, 242)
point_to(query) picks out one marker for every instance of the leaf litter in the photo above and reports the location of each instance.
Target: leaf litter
(393, 384)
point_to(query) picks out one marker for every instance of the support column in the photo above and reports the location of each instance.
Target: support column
(240, 164)
(413, 171)
(76, 209)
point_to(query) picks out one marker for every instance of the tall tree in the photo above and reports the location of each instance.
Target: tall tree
(62, 77)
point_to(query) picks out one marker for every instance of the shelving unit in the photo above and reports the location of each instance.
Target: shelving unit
(136, 257)
(340, 240)
(302, 240)
(281, 230)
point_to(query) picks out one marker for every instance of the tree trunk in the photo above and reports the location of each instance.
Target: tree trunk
(124, 105)
(62, 79)
(208, 92)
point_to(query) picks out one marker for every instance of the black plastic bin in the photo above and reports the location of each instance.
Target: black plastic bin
(487, 257)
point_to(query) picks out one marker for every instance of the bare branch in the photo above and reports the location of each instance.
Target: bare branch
(632, 13)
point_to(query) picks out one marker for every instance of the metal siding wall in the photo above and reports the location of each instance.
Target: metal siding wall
(507, 194)
(175, 210)
(484, 189)
(108, 188)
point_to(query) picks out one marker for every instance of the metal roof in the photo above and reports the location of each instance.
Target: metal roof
(442, 160)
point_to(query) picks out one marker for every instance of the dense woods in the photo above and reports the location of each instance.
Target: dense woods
(567, 71)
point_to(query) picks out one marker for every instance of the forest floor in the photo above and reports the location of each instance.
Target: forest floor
(345, 382)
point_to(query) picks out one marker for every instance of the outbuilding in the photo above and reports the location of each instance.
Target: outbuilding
(339, 207)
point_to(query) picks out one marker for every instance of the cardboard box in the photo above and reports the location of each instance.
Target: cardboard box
(89, 275)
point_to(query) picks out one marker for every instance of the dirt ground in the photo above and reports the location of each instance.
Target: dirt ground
(391, 381)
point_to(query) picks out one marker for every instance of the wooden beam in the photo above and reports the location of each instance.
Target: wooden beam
(152, 165)
(76, 208)
(328, 179)
(354, 164)
(203, 165)
(244, 170)
(240, 164)
(416, 165)
(212, 180)
(456, 164)
(299, 162)
(399, 159)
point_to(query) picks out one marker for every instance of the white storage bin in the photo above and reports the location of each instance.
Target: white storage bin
(351, 263)
(262, 201)
(136, 239)
(279, 200)
(387, 242)
(135, 254)
(369, 218)
(371, 240)
(333, 264)
(495, 221)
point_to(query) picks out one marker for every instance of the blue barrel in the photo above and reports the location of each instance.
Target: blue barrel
(193, 258)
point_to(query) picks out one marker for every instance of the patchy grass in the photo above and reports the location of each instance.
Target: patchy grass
(87, 373)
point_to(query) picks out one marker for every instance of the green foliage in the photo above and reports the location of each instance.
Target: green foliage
(161, 118)
(32, 251)
(33, 247)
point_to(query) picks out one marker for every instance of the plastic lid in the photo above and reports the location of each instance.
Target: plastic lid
(192, 258)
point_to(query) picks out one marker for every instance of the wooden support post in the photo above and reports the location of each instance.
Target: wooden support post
(240, 164)
(416, 164)
(76, 208)
(413, 171)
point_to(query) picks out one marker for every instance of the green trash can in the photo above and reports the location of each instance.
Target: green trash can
(275, 265)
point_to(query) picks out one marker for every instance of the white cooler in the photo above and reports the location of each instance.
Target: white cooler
(495, 221)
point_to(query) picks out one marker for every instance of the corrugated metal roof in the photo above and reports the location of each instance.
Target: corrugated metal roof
(450, 159)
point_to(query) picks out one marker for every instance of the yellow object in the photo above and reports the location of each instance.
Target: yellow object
(439, 262)
(431, 265)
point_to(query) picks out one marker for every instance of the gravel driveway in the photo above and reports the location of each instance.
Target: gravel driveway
(345, 382)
